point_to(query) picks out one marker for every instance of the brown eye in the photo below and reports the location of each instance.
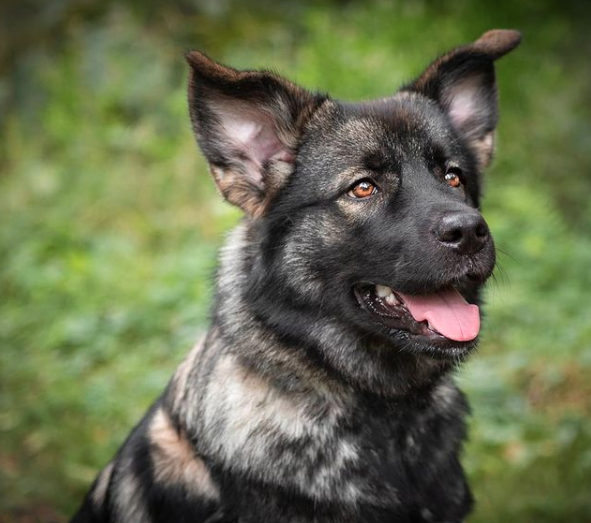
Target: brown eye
(452, 177)
(363, 189)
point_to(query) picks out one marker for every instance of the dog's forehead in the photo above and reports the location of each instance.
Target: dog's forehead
(401, 124)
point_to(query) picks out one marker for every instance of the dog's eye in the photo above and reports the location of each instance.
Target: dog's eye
(453, 177)
(362, 190)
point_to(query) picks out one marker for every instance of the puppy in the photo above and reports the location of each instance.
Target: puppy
(323, 390)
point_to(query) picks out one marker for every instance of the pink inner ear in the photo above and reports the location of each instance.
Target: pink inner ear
(464, 101)
(252, 133)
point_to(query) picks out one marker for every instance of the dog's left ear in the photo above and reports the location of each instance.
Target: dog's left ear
(462, 82)
(248, 124)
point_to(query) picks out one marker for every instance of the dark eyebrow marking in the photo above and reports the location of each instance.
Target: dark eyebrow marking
(435, 156)
(375, 161)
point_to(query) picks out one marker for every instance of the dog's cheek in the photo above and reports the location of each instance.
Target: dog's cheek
(315, 257)
(300, 265)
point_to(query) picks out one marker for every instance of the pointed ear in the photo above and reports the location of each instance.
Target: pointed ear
(248, 124)
(462, 82)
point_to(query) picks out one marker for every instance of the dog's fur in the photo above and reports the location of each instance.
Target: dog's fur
(299, 405)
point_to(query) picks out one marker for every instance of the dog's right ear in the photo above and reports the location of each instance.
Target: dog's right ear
(247, 124)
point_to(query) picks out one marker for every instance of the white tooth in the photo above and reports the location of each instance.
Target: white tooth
(391, 300)
(382, 291)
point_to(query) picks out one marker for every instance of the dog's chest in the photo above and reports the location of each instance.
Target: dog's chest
(403, 448)
(350, 452)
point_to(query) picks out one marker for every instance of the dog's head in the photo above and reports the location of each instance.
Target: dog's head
(366, 213)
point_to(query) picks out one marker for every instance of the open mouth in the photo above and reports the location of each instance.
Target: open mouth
(439, 316)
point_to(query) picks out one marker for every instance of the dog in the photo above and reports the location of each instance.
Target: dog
(323, 391)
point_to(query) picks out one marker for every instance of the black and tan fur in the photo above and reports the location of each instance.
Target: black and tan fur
(298, 405)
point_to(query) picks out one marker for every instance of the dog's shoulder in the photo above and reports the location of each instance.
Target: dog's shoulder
(157, 475)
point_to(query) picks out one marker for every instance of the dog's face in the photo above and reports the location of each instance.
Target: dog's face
(365, 213)
(382, 209)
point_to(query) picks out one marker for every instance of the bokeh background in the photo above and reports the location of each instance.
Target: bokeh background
(109, 225)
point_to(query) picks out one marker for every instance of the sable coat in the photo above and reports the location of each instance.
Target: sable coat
(318, 393)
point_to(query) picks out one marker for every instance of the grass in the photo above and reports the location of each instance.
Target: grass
(109, 227)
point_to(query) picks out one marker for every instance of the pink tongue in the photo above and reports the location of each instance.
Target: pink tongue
(447, 312)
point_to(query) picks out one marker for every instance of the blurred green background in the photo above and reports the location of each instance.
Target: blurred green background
(109, 225)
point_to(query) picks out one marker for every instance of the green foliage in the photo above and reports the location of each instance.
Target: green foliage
(110, 227)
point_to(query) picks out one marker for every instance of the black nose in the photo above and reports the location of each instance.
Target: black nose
(467, 233)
